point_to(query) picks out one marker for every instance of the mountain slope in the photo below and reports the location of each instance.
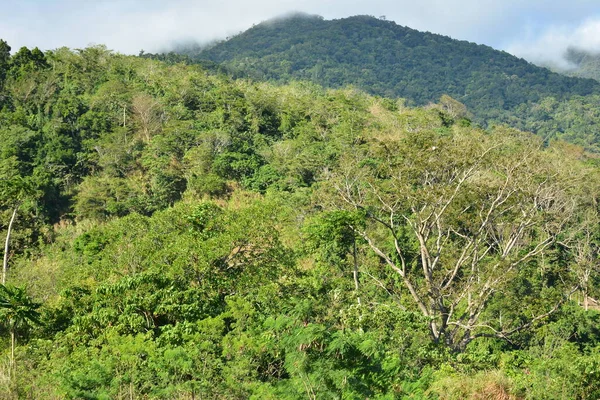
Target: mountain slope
(192, 236)
(394, 61)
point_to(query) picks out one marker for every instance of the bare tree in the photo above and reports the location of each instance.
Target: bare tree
(455, 217)
(148, 113)
(583, 244)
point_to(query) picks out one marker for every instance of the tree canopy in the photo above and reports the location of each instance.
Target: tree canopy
(182, 234)
(385, 59)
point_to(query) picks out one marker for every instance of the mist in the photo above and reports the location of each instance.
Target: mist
(551, 47)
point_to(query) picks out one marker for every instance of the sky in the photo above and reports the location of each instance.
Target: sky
(537, 30)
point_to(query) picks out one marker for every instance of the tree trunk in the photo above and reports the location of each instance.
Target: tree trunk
(13, 342)
(5, 264)
(355, 272)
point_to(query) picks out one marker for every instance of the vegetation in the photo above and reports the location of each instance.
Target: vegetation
(181, 234)
(393, 61)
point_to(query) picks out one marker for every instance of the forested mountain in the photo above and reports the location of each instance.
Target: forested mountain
(178, 234)
(389, 60)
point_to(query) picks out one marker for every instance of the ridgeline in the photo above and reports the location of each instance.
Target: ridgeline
(385, 59)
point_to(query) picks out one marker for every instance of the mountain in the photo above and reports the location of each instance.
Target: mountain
(386, 59)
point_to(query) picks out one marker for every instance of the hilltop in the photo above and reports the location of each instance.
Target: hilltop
(386, 59)
(390, 60)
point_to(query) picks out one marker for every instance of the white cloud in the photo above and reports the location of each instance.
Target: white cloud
(551, 45)
(131, 25)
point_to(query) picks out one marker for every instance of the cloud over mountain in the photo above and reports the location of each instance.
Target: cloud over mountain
(551, 45)
(131, 25)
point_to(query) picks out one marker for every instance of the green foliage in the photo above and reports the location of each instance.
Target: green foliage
(388, 60)
(17, 308)
(333, 235)
(195, 236)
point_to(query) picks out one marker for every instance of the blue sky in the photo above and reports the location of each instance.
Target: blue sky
(535, 29)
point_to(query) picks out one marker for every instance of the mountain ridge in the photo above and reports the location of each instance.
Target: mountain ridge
(387, 59)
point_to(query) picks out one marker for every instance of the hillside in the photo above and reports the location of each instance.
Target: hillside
(178, 234)
(389, 60)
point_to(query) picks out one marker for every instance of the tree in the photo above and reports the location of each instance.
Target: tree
(585, 251)
(331, 238)
(17, 309)
(452, 110)
(13, 191)
(26, 61)
(4, 59)
(148, 113)
(456, 216)
(4, 66)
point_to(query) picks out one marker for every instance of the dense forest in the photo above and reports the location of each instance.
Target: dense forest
(385, 59)
(175, 233)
